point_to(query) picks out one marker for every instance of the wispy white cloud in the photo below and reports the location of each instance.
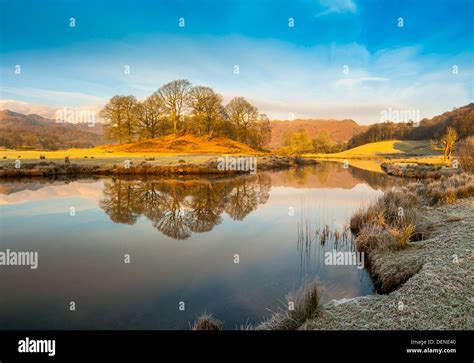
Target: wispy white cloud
(45, 110)
(27, 108)
(336, 7)
(278, 77)
(48, 94)
(352, 82)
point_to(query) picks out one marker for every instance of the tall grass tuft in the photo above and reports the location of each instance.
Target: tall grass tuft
(246, 326)
(207, 322)
(405, 235)
(390, 222)
(305, 302)
(373, 236)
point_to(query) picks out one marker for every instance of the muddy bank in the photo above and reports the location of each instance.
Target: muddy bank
(145, 167)
(438, 296)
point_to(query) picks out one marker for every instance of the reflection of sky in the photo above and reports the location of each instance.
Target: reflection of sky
(91, 191)
(81, 259)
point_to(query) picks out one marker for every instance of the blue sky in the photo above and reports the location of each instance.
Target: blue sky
(283, 70)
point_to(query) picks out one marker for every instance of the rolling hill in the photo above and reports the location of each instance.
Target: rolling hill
(18, 131)
(339, 131)
(385, 149)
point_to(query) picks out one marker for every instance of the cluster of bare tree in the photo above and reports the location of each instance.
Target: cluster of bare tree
(178, 108)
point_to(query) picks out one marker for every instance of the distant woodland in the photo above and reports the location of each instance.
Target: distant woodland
(461, 119)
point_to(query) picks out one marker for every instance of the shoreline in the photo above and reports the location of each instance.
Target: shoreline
(424, 285)
(207, 165)
(435, 297)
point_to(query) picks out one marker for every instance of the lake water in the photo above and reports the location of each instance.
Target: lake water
(184, 237)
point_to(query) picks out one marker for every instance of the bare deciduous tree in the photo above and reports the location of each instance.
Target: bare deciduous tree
(175, 95)
(120, 117)
(207, 109)
(151, 117)
(242, 115)
(447, 143)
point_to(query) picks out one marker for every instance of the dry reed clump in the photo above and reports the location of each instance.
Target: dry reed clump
(207, 322)
(365, 216)
(386, 211)
(324, 235)
(391, 222)
(445, 190)
(246, 326)
(465, 154)
(404, 235)
(302, 305)
(305, 302)
(373, 236)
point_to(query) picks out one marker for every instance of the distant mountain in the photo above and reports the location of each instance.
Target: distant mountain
(18, 131)
(339, 131)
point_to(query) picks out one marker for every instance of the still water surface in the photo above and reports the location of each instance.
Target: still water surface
(183, 237)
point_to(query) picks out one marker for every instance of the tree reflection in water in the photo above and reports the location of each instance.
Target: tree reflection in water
(179, 208)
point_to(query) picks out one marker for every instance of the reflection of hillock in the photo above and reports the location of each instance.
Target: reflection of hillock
(12, 185)
(330, 175)
(180, 208)
(376, 180)
(323, 175)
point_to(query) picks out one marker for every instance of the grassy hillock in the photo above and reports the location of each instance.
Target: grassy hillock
(187, 144)
(165, 146)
